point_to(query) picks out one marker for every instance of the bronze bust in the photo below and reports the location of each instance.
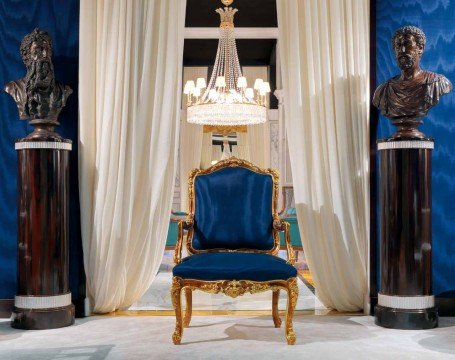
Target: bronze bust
(38, 96)
(406, 98)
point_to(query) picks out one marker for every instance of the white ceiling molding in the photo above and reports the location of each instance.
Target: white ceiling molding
(239, 33)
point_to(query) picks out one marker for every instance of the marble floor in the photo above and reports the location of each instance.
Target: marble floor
(226, 337)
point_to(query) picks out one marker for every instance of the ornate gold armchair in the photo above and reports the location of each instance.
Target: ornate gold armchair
(233, 238)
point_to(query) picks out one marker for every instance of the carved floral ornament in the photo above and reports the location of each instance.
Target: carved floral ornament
(235, 288)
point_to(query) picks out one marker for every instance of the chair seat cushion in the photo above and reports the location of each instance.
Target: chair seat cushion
(234, 266)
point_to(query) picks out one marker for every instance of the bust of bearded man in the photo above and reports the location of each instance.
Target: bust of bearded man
(406, 98)
(38, 96)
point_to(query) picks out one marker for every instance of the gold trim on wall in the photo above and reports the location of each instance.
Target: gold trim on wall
(225, 129)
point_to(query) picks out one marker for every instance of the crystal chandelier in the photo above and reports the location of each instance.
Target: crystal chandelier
(227, 100)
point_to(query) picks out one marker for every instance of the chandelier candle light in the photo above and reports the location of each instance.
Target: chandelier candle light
(227, 100)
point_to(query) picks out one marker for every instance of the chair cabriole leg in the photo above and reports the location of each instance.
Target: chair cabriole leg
(176, 292)
(275, 313)
(293, 294)
(189, 306)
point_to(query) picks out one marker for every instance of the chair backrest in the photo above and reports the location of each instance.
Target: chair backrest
(233, 204)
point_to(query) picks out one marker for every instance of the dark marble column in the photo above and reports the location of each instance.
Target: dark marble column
(43, 299)
(405, 300)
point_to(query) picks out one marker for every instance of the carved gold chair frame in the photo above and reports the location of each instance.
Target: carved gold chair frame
(233, 288)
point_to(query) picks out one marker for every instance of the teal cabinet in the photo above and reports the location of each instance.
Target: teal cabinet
(295, 233)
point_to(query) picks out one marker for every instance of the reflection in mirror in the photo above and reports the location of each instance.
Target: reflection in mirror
(223, 142)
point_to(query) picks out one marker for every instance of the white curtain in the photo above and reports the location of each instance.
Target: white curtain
(130, 68)
(258, 136)
(216, 152)
(207, 150)
(241, 150)
(324, 47)
(190, 139)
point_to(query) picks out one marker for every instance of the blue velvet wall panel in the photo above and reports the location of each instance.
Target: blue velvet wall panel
(437, 19)
(61, 20)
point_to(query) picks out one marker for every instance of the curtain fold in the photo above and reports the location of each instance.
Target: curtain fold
(130, 65)
(190, 156)
(242, 150)
(190, 139)
(324, 48)
(207, 150)
(258, 136)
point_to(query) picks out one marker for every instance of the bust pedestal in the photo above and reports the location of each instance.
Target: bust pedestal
(405, 300)
(43, 299)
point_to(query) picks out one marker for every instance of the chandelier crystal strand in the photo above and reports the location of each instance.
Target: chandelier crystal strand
(227, 99)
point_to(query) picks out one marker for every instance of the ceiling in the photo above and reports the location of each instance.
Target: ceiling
(252, 13)
(252, 52)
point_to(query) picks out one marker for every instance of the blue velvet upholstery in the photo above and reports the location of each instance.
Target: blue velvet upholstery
(234, 266)
(233, 210)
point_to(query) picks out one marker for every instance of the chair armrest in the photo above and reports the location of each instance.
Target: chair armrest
(281, 225)
(182, 225)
